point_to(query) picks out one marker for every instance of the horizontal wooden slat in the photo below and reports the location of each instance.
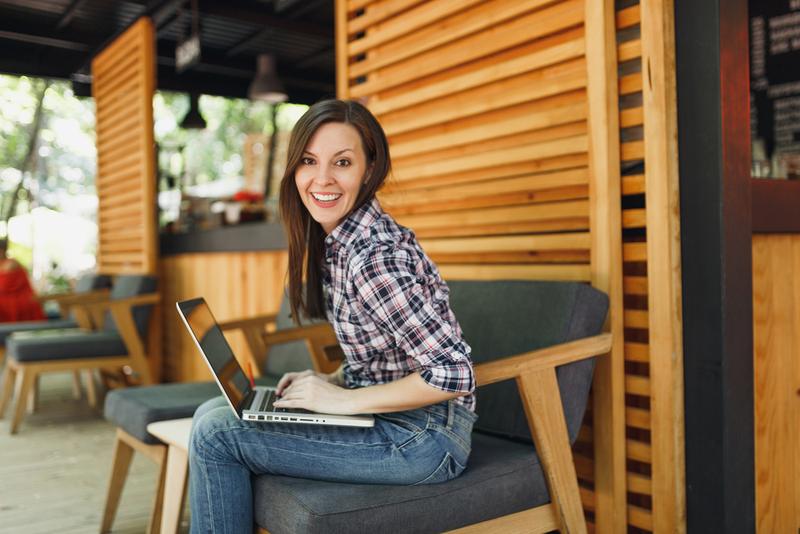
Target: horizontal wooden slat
(558, 163)
(549, 149)
(126, 198)
(557, 225)
(526, 87)
(635, 285)
(632, 150)
(120, 234)
(640, 484)
(631, 117)
(637, 352)
(530, 257)
(632, 83)
(487, 200)
(129, 212)
(355, 5)
(630, 16)
(579, 273)
(411, 20)
(126, 80)
(123, 257)
(640, 517)
(498, 124)
(109, 185)
(462, 24)
(378, 13)
(130, 245)
(629, 50)
(637, 418)
(574, 241)
(637, 385)
(470, 48)
(634, 251)
(550, 210)
(636, 318)
(638, 450)
(636, 218)
(633, 185)
(542, 56)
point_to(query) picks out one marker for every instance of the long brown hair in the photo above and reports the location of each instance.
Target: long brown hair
(305, 235)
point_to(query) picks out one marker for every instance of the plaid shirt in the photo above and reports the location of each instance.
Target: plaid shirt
(389, 307)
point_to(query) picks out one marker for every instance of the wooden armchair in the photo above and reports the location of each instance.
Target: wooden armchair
(533, 347)
(126, 315)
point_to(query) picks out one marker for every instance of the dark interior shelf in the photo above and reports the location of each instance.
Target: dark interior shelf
(776, 206)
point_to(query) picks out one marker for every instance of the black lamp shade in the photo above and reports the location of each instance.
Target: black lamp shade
(266, 85)
(193, 119)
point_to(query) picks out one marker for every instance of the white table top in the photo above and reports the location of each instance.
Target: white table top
(174, 432)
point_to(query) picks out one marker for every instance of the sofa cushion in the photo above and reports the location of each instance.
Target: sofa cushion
(6, 329)
(38, 345)
(132, 409)
(502, 477)
(502, 319)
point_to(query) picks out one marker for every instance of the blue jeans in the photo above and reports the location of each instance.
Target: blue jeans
(424, 446)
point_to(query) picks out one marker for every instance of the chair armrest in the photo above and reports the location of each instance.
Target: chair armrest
(68, 299)
(300, 332)
(563, 353)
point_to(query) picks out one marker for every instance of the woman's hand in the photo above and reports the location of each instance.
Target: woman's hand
(310, 391)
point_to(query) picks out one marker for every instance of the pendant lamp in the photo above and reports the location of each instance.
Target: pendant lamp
(193, 119)
(266, 85)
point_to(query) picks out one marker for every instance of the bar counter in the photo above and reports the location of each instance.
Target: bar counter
(238, 238)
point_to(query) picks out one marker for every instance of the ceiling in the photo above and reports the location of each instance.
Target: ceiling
(58, 38)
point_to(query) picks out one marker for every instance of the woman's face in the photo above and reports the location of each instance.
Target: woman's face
(330, 173)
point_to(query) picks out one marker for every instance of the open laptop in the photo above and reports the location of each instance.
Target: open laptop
(251, 403)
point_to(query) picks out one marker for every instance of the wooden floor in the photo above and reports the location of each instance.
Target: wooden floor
(54, 472)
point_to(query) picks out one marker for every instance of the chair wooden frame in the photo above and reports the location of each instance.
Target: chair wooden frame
(26, 373)
(535, 375)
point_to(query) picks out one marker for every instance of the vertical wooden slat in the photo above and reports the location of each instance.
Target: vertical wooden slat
(606, 253)
(663, 265)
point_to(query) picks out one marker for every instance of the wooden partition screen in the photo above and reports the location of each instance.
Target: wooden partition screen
(123, 82)
(516, 133)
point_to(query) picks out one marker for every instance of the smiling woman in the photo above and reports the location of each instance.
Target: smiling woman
(405, 357)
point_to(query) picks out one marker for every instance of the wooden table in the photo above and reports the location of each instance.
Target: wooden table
(175, 434)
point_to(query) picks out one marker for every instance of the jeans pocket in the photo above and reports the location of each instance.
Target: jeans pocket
(447, 470)
(402, 429)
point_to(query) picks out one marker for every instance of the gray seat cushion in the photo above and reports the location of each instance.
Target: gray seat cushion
(130, 286)
(132, 409)
(503, 477)
(6, 329)
(504, 318)
(40, 345)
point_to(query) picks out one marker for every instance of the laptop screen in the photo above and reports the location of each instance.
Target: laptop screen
(216, 350)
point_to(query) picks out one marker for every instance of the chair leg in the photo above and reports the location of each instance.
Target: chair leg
(25, 381)
(9, 374)
(77, 391)
(123, 453)
(33, 397)
(154, 525)
(91, 389)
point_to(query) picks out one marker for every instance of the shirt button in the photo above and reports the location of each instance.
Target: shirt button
(328, 260)
(329, 240)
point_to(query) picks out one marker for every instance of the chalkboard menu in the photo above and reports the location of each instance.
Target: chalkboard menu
(775, 87)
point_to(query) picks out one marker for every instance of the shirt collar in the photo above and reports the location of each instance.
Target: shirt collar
(356, 223)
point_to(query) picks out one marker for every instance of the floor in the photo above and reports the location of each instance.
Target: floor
(54, 471)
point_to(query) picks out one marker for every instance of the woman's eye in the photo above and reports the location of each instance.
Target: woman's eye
(307, 161)
(343, 163)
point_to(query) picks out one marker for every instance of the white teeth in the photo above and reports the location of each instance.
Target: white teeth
(325, 198)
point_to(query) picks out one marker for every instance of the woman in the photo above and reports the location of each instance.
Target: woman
(17, 300)
(406, 360)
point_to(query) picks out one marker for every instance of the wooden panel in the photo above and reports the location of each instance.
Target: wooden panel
(776, 344)
(123, 85)
(235, 285)
(664, 266)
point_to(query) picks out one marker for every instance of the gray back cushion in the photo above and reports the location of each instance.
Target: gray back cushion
(132, 285)
(505, 318)
(91, 282)
(291, 356)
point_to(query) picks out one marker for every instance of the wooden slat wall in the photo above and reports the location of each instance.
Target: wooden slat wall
(123, 82)
(776, 344)
(516, 132)
(236, 285)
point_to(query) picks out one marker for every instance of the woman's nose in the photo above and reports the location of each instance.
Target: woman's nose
(323, 177)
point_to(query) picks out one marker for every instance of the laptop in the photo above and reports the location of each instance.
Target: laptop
(249, 402)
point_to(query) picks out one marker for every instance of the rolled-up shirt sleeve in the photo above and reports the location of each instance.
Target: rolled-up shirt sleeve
(398, 302)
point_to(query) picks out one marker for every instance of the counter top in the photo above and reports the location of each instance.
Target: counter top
(240, 238)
